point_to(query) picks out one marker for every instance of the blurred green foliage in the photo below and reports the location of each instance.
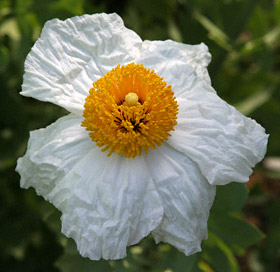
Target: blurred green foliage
(244, 40)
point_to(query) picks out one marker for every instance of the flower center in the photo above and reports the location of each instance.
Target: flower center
(131, 99)
(130, 109)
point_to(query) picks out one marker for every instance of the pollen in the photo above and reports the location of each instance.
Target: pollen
(130, 110)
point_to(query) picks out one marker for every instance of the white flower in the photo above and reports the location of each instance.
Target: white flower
(108, 203)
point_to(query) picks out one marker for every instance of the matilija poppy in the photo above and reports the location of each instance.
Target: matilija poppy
(145, 141)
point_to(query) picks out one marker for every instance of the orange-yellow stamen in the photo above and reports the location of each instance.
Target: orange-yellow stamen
(130, 109)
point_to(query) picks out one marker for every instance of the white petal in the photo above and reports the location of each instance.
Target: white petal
(52, 152)
(107, 204)
(224, 143)
(179, 64)
(72, 54)
(186, 198)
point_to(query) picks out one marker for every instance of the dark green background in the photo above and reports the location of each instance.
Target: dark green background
(244, 39)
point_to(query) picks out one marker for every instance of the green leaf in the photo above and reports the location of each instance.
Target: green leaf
(51, 216)
(242, 17)
(4, 58)
(271, 243)
(9, 27)
(172, 259)
(232, 230)
(215, 33)
(218, 255)
(71, 261)
(235, 232)
(174, 32)
(230, 197)
(254, 101)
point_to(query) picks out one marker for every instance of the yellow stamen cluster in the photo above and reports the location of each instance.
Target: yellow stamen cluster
(130, 109)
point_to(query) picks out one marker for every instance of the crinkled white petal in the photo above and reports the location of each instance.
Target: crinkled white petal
(180, 65)
(224, 143)
(51, 153)
(107, 204)
(186, 198)
(70, 55)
